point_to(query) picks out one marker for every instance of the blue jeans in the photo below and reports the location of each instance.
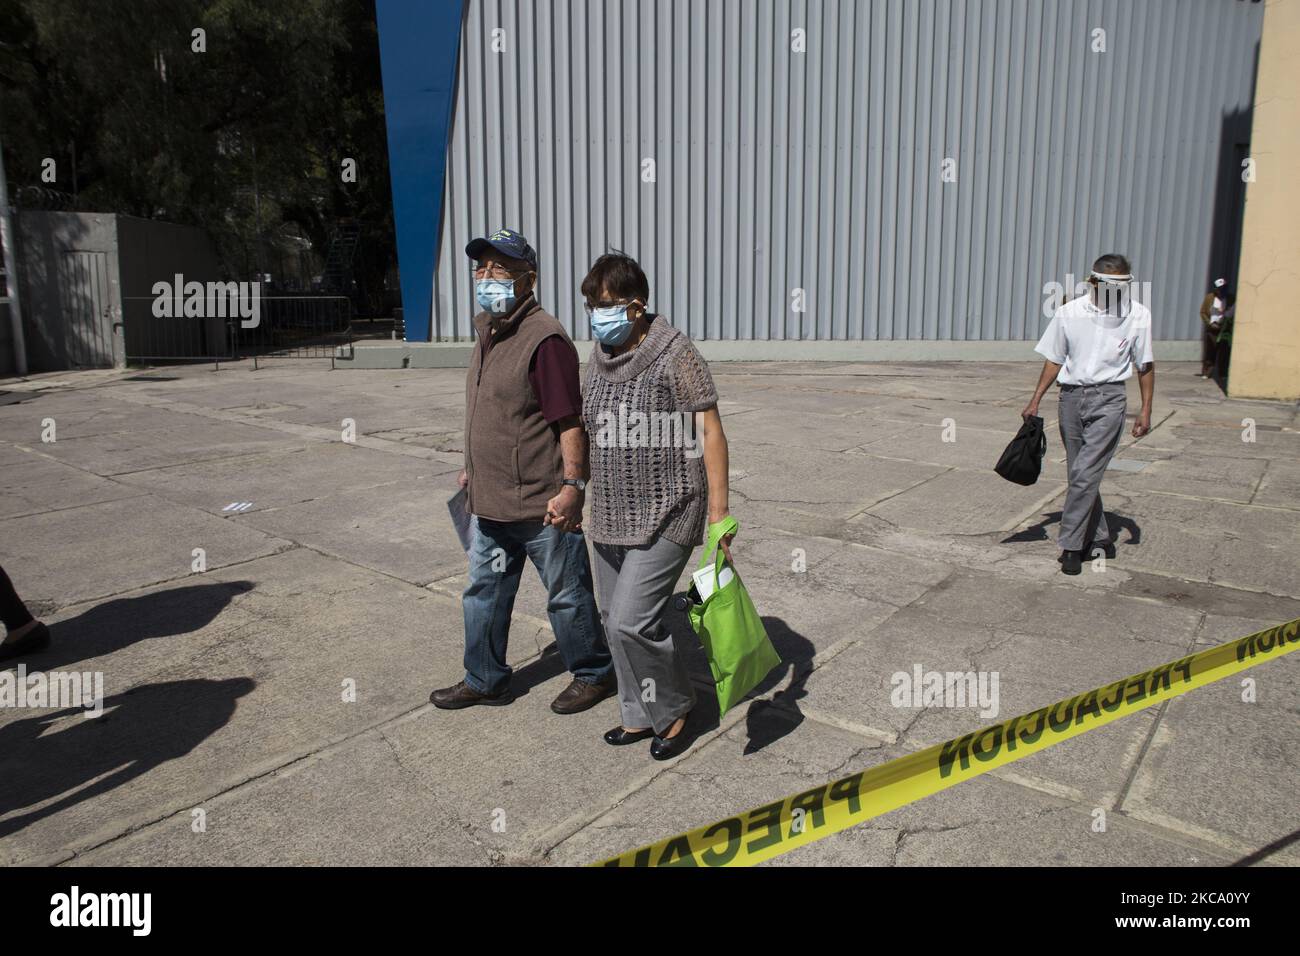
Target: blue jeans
(496, 560)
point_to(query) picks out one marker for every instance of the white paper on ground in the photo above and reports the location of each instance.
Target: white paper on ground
(704, 579)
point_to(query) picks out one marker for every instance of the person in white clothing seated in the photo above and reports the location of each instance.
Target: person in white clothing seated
(1091, 347)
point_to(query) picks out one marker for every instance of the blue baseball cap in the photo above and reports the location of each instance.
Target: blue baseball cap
(508, 243)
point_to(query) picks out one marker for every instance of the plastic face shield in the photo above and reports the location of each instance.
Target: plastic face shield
(1112, 292)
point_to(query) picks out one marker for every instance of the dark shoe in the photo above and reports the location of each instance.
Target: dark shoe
(1108, 549)
(580, 696)
(1071, 562)
(35, 639)
(462, 695)
(665, 748)
(619, 737)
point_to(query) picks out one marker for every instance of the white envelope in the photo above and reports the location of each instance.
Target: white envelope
(704, 579)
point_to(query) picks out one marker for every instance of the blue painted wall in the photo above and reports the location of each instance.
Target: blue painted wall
(418, 44)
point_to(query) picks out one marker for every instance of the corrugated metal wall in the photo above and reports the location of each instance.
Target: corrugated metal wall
(822, 170)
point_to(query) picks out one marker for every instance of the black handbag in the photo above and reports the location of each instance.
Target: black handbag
(1023, 460)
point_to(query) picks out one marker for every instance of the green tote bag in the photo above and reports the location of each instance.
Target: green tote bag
(735, 641)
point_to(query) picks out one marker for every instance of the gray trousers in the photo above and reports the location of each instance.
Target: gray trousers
(1091, 419)
(633, 587)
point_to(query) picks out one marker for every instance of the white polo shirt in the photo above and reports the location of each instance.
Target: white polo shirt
(1094, 347)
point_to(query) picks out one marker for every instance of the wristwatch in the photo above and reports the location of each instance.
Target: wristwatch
(576, 482)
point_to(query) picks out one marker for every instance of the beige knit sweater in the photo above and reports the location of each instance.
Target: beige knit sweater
(647, 465)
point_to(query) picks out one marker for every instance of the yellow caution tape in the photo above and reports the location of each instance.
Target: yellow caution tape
(779, 827)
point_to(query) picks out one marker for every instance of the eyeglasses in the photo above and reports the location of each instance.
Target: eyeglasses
(593, 306)
(492, 270)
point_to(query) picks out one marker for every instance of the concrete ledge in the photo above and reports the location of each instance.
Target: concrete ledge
(405, 355)
(456, 354)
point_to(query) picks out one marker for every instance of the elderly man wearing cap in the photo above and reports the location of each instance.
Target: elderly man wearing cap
(525, 478)
(1091, 347)
(1217, 309)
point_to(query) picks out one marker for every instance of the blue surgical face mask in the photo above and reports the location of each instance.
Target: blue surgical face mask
(495, 295)
(611, 326)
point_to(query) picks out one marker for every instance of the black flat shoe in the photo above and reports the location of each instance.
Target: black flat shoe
(619, 737)
(665, 748)
(1071, 562)
(35, 639)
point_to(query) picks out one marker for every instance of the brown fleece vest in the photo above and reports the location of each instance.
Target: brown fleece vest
(512, 454)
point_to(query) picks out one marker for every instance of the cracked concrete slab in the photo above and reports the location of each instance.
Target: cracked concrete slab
(761, 758)
(873, 686)
(1059, 609)
(1225, 440)
(35, 483)
(356, 807)
(982, 822)
(1226, 479)
(1223, 761)
(805, 429)
(965, 502)
(996, 823)
(403, 530)
(102, 549)
(846, 484)
(184, 440)
(1000, 419)
(226, 687)
(211, 682)
(1239, 546)
(1279, 486)
(306, 473)
(962, 445)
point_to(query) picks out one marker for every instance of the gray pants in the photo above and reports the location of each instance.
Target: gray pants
(1091, 420)
(633, 587)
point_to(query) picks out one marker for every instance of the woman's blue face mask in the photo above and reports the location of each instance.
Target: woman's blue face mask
(610, 325)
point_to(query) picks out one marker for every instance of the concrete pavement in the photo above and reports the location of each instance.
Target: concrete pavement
(272, 708)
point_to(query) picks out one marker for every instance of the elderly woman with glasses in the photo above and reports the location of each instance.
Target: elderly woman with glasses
(658, 472)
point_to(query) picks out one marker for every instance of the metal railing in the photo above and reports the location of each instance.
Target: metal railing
(298, 326)
(303, 326)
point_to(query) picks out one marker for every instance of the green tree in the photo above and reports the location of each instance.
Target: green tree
(241, 129)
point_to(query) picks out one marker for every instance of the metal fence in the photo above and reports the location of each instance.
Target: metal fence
(278, 327)
(845, 169)
(298, 327)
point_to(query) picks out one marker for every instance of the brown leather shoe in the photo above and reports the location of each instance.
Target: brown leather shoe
(462, 695)
(580, 696)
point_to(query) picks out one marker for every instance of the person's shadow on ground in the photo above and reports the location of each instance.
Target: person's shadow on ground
(550, 664)
(1038, 532)
(45, 771)
(113, 625)
(765, 721)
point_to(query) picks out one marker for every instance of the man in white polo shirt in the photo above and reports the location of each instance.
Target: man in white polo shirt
(1091, 348)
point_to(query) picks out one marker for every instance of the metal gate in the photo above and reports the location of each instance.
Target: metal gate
(298, 326)
(306, 326)
(86, 301)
